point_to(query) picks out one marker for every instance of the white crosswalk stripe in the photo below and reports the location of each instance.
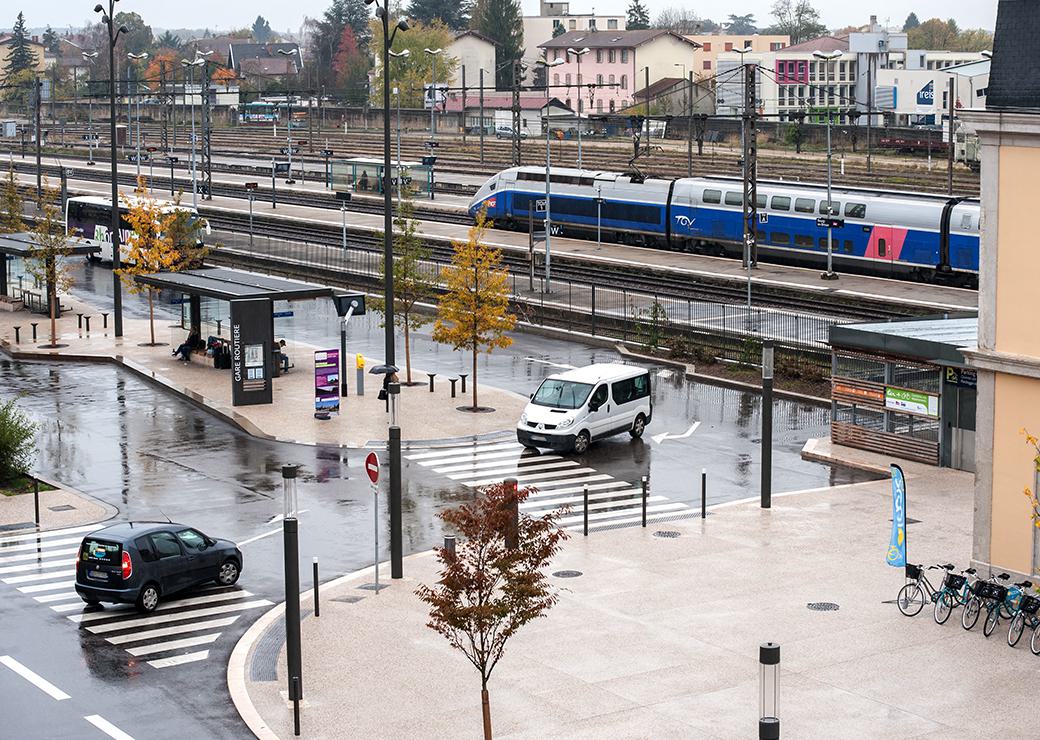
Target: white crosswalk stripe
(558, 480)
(42, 566)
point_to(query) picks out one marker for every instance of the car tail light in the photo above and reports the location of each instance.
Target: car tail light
(128, 567)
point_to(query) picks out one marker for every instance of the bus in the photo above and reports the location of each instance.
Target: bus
(89, 217)
(259, 111)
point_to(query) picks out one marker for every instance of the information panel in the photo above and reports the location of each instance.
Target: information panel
(252, 359)
(326, 380)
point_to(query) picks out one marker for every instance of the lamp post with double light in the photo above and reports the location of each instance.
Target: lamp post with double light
(434, 53)
(397, 91)
(190, 67)
(136, 58)
(289, 122)
(394, 441)
(830, 274)
(543, 62)
(90, 56)
(578, 54)
(113, 37)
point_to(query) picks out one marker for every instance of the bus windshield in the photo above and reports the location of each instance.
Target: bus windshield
(561, 394)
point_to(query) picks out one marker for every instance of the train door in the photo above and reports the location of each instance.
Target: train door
(882, 247)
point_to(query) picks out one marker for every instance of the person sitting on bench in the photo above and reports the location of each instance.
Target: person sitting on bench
(184, 351)
(284, 358)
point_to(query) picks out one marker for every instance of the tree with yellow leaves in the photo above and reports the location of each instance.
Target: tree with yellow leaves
(10, 206)
(474, 313)
(153, 244)
(47, 257)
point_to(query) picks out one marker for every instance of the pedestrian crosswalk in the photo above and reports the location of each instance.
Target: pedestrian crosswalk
(559, 482)
(181, 630)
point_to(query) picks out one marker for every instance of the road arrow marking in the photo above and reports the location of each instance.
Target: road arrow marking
(659, 438)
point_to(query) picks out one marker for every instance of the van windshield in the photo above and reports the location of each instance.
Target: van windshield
(561, 394)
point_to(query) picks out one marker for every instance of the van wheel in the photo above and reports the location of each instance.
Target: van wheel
(148, 599)
(637, 427)
(581, 443)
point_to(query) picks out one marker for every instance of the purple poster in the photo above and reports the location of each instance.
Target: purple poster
(326, 380)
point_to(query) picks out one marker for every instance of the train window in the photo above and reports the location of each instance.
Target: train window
(734, 199)
(712, 196)
(804, 205)
(761, 237)
(631, 212)
(803, 240)
(834, 205)
(856, 210)
(882, 248)
(779, 237)
(823, 242)
(848, 246)
(760, 202)
(780, 203)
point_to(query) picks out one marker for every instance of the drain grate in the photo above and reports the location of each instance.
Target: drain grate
(348, 599)
(822, 606)
(567, 573)
(666, 533)
(17, 525)
(62, 507)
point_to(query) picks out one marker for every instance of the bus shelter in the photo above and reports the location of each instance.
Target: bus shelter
(251, 296)
(21, 246)
(365, 175)
(903, 388)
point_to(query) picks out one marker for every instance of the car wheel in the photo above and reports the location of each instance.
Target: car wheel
(89, 601)
(148, 599)
(637, 427)
(581, 443)
(228, 574)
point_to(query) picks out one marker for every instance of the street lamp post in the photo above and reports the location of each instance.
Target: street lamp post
(434, 53)
(548, 174)
(482, 115)
(289, 121)
(578, 54)
(135, 57)
(90, 56)
(394, 437)
(688, 106)
(113, 36)
(190, 66)
(830, 274)
(397, 91)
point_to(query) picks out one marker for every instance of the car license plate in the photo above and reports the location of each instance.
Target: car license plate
(97, 575)
(537, 438)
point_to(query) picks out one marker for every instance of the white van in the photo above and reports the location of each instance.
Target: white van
(569, 410)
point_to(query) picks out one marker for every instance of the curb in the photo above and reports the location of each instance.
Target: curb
(809, 453)
(236, 670)
(110, 511)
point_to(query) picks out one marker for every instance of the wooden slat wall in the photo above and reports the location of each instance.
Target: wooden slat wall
(851, 398)
(885, 443)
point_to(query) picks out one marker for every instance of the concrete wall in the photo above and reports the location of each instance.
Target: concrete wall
(473, 54)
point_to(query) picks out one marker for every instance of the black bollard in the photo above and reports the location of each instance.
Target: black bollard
(34, 324)
(704, 493)
(449, 543)
(585, 508)
(87, 319)
(644, 483)
(18, 339)
(453, 381)
(79, 321)
(104, 320)
(463, 376)
(317, 607)
(431, 376)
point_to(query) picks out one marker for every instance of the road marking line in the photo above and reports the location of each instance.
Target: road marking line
(279, 517)
(49, 533)
(459, 450)
(542, 486)
(168, 606)
(45, 587)
(177, 616)
(34, 566)
(606, 515)
(56, 597)
(578, 489)
(659, 438)
(576, 501)
(60, 608)
(35, 679)
(499, 472)
(550, 364)
(474, 465)
(38, 555)
(525, 479)
(40, 576)
(259, 537)
(175, 630)
(473, 456)
(159, 647)
(179, 659)
(107, 727)
(40, 545)
(629, 520)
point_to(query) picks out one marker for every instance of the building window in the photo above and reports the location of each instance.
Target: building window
(579, 81)
(624, 56)
(556, 78)
(592, 24)
(706, 64)
(706, 46)
(567, 79)
(612, 24)
(599, 106)
(611, 56)
(624, 82)
(775, 46)
(556, 54)
(611, 105)
(599, 56)
(729, 46)
(572, 24)
(568, 103)
(611, 79)
(599, 79)
(624, 102)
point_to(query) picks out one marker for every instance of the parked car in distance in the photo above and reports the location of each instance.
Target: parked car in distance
(572, 409)
(506, 132)
(143, 562)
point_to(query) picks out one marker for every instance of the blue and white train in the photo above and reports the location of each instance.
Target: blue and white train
(921, 235)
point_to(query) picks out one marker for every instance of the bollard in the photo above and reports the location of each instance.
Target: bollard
(296, 706)
(104, 320)
(463, 376)
(449, 543)
(34, 324)
(453, 381)
(36, 499)
(431, 376)
(359, 386)
(585, 508)
(704, 493)
(79, 321)
(18, 338)
(768, 691)
(218, 327)
(87, 319)
(644, 482)
(317, 607)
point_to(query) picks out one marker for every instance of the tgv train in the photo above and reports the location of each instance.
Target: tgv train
(924, 236)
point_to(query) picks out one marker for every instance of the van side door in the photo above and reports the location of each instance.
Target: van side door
(599, 416)
(625, 405)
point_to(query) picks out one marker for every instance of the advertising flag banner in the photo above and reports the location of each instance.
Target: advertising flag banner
(326, 380)
(897, 547)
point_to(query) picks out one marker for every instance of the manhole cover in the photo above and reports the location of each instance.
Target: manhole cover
(666, 533)
(822, 606)
(567, 573)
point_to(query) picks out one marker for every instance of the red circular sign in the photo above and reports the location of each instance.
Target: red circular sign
(372, 467)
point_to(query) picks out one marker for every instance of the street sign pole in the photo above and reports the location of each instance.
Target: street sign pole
(372, 469)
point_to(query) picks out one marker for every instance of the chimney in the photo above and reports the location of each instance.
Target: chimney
(873, 22)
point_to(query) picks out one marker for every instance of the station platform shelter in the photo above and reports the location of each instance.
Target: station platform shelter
(903, 388)
(365, 175)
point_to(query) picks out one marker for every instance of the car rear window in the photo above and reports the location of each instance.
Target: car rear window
(100, 551)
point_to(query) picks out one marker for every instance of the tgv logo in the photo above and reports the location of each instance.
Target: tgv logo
(684, 221)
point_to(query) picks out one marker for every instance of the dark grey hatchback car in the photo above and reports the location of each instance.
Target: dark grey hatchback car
(141, 562)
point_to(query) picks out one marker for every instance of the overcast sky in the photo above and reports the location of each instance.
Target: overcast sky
(288, 15)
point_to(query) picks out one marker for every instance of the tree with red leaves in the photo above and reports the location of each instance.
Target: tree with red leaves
(492, 584)
(349, 64)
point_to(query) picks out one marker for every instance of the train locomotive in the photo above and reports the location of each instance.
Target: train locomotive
(917, 235)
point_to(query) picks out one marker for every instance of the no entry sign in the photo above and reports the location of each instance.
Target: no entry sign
(372, 467)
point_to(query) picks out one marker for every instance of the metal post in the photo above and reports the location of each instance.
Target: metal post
(870, 108)
(274, 197)
(375, 533)
(704, 493)
(250, 218)
(580, 55)
(482, 115)
(750, 173)
(585, 508)
(463, 105)
(37, 105)
(343, 209)
(296, 706)
(644, 485)
(689, 127)
(548, 178)
(36, 500)
(593, 309)
(343, 357)
(291, 547)
(952, 95)
(830, 274)
(599, 215)
(396, 539)
(433, 100)
(768, 691)
(767, 423)
(117, 288)
(317, 605)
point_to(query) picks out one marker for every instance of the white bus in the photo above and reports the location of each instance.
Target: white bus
(90, 218)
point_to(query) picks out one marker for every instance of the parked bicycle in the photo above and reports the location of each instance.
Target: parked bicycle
(986, 594)
(919, 590)
(955, 591)
(1025, 616)
(1005, 608)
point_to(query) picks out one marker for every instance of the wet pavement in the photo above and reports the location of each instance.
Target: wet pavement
(116, 437)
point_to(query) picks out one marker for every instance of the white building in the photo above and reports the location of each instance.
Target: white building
(473, 51)
(921, 96)
(552, 13)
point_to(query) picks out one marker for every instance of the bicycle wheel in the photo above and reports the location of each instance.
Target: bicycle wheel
(910, 599)
(944, 607)
(992, 619)
(1034, 641)
(970, 615)
(1016, 628)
